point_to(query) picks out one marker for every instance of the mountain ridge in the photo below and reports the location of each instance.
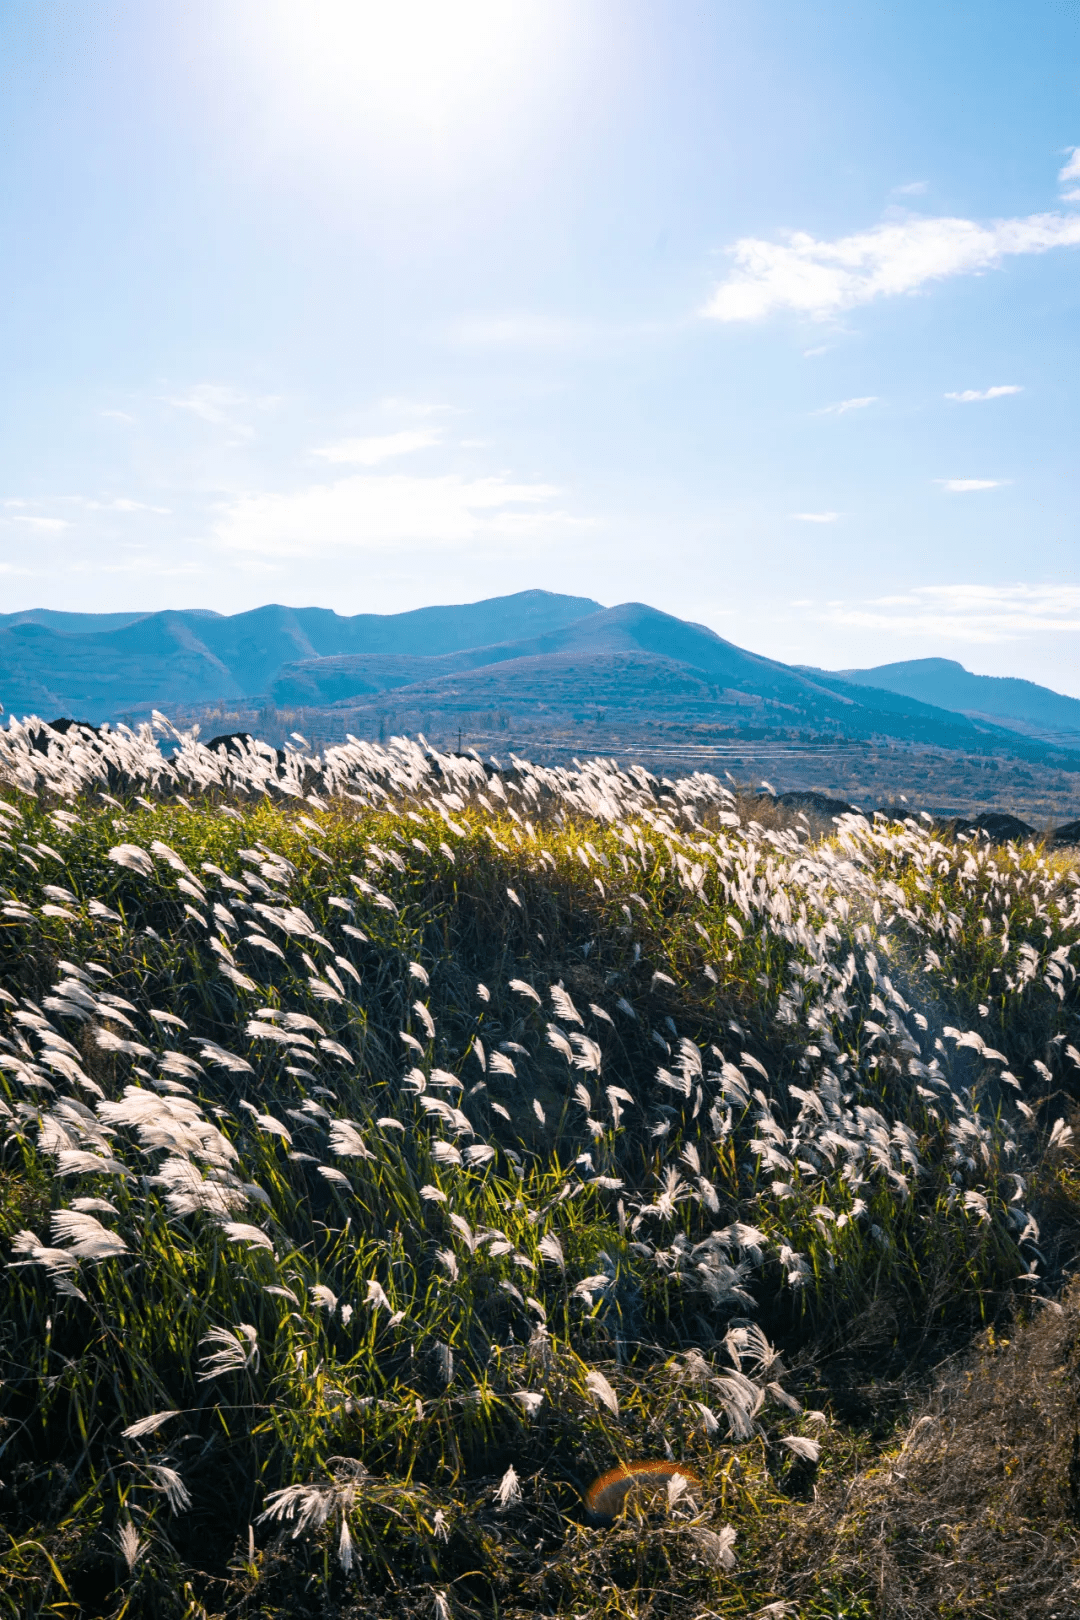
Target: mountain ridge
(195, 656)
(1007, 700)
(533, 651)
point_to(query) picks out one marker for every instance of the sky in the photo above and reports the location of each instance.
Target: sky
(768, 316)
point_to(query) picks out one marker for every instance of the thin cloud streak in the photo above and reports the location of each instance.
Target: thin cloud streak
(815, 517)
(973, 613)
(845, 405)
(371, 452)
(999, 392)
(969, 486)
(378, 513)
(820, 278)
(217, 405)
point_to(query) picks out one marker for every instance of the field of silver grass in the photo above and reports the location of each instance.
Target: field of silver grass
(395, 1143)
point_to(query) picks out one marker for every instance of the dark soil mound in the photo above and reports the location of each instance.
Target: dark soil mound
(819, 803)
(998, 825)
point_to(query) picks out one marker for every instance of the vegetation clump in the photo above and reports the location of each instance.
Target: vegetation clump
(395, 1145)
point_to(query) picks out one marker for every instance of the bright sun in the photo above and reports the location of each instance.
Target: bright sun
(402, 71)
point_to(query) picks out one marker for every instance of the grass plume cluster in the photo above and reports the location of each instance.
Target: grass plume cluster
(392, 1145)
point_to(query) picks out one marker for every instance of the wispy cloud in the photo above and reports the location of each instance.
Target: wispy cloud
(21, 513)
(47, 525)
(819, 279)
(399, 405)
(122, 504)
(998, 392)
(842, 407)
(975, 613)
(1070, 172)
(220, 406)
(914, 188)
(370, 452)
(365, 513)
(117, 416)
(815, 517)
(521, 331)
(967, 486)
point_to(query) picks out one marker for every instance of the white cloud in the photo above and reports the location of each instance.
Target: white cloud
(376, 513)
(50, 525)
(370, 452)
(1071, 169)
(966, 486)
(120, 503)
(815, 517)
(999, 392)
(975, 613)
(914, 188)
(820, 279)
(398, 405)
(846, 405)
(123, 504)
(521, 331)
(117, 416)
(217, 405)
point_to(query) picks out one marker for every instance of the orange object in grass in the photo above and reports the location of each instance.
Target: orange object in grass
(606, 1495)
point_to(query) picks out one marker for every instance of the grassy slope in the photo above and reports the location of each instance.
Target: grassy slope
(425, 1390)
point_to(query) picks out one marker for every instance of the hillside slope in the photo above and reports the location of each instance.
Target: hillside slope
(54, 663)
(394, 1145)
(1002, 699)
(632, 660)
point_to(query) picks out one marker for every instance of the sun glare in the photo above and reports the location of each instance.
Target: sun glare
(409, 74)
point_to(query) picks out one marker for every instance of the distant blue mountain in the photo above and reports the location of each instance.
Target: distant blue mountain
(999, 698)
(631, 660)
(100, 666)
(535, 650)
(630, 628)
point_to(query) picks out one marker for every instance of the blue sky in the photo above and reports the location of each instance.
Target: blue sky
(766, 315)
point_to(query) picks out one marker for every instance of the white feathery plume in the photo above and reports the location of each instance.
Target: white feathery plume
(551, 1249)
(508, 1491)
(425, 1018)
(85, 1235)
(134, 858)
(131, 1545)
(169, 1483)
(242, 1232)
(147, 1425)
(598, 1386)
(806, 1450)
(564, 1007)
(230, 1350)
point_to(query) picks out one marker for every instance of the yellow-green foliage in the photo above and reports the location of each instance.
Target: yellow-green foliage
(496, 1131)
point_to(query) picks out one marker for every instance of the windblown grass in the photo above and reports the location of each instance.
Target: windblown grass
(394, 1146)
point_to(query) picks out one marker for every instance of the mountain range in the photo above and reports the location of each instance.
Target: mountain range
(536, 648)
(1001, 699)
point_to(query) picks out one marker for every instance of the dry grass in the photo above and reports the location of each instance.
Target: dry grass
(976, 1512)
